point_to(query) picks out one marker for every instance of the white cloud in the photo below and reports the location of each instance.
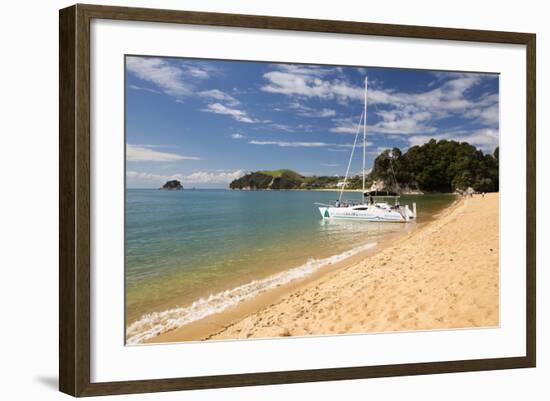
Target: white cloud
(239, 115)
(307, 111)
(486, 139)
(323, 113)
(404, 120)
(169, 78)
(141, 153)
(198, 73)
(309, 85)
(488, 115)
(237, 136)
(226, 105)
(142, 88)
(178, 80)
(302, 69)
(348, 125)
(350, 145)
(414, 113)
(293, 144)
(135, 176)
(217, 94)
(400, 112)
(172, 79)
(197, 177)
(304, 144)
(305, 127)
(280, 127)
(344, 129)
(217, 177)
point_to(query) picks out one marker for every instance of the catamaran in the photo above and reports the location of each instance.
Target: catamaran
(377, 206)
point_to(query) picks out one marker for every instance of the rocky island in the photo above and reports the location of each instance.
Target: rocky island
(173, 185)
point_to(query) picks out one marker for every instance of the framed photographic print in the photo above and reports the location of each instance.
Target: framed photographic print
(250, 200)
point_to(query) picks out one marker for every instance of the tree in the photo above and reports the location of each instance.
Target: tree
(438, 166)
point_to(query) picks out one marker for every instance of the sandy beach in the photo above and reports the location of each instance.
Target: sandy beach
(444, 274)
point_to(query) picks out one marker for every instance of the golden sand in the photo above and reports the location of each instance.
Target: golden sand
(442, 275)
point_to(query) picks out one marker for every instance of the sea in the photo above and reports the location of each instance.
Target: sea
(192, 253)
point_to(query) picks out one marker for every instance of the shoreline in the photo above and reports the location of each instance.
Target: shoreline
(445, 275)
(216, 324)
(338, 190)
(297, 189)
(204, 328)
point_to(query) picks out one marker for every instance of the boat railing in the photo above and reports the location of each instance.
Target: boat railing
(346, 203)
(343, 203)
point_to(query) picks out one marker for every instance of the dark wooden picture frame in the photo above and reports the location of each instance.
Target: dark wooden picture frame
(74, 199)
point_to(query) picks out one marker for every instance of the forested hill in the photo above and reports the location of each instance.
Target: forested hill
(436, 166)
(282, 179)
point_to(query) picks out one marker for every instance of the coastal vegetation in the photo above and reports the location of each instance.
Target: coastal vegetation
(283, 179)
(436, 166)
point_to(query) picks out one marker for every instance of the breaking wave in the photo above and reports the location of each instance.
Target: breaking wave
(153, 324)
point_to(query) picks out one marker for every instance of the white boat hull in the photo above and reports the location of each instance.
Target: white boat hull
(375, 210)
(375, 213)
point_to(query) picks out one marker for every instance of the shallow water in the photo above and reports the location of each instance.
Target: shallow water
(184, 246)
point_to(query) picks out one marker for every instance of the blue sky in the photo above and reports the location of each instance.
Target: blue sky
(206, 122)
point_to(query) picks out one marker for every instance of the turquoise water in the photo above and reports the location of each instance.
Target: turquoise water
(182, 246)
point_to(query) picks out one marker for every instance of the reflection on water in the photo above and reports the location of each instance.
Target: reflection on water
(371, 229)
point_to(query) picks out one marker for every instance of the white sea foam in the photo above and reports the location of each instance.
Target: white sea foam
(153, 324)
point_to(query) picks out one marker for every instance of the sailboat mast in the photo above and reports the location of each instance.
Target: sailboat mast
(365, 137)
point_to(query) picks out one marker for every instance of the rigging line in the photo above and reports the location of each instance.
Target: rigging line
(393, 173)
(365, 138)
(351, 157)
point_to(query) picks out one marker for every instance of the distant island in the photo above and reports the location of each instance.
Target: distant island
(173, 185)
(436, 166)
